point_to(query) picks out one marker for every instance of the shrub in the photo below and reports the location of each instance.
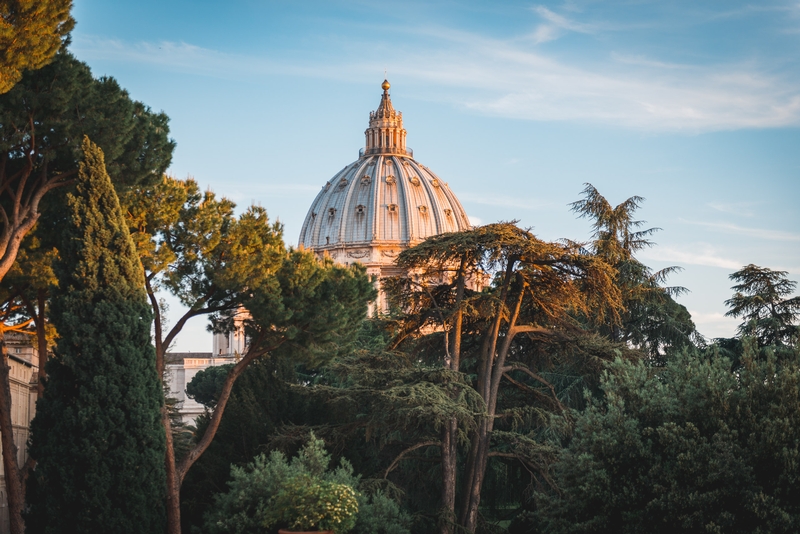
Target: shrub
(308, 503)
(270, 491)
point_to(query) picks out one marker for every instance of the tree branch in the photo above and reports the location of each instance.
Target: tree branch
(216, 416)
(536, 377)
(406, 451)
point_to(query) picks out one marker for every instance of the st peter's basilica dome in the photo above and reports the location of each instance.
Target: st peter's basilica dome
(382, 203)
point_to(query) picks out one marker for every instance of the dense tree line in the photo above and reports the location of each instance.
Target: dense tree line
(611, 414)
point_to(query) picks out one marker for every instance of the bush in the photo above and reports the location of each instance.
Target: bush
(260, 492)
(305, 503)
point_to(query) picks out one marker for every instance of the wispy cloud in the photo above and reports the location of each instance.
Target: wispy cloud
(555, 26)
(760, 233)
(695, 254)
(560, 21)
(513, 77)
(736, 208)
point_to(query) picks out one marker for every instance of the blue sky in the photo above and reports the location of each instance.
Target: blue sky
(693, 105)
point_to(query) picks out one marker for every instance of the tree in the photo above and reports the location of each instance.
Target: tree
(260, 402)
(97, 435)
(536, 288)
(763, 300)
(193, 246)
(691, 447)
(31, 32)
(651, 318)
(42, 122)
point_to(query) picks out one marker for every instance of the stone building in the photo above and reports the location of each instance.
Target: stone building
(181, 367)
(23, 361)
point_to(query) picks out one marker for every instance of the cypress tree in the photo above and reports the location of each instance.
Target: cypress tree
(97, 435)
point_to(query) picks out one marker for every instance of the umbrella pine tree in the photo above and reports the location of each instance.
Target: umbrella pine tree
(97, 435)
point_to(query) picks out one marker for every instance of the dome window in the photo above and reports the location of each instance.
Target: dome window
(343, 182)
(366, 180)
(414, 180)
(360, 209)
(313, 214)
(448, 212)
(392, 208)
(435, 182)
(423, 209)
(331, 212)
(390, 180)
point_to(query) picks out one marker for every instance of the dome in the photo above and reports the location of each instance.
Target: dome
(382, 203)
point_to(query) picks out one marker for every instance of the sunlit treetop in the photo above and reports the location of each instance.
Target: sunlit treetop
(31, 32)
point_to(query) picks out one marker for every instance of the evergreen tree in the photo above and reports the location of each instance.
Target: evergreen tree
(97, 435)
(763, 299)
(31, 32)
(651, 319)
(692, 447)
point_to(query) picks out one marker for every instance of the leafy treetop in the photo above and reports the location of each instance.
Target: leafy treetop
(763, 299)
(31, 32)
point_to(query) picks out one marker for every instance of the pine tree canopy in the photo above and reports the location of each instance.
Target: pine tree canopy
(763, 299)
(97, 435)
(31, 32)
(651, 318)
(693, 447)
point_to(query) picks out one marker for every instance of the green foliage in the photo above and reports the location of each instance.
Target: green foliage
(650, 318)
(269, 487)
(187, 241)
(31, 32)
(49, 111)
(380, 514)
(97, 435)
(206, 385)
(260, 401)
(615, 231)
(304, 503)
(692, 447)
(309, 309)
(763, 300)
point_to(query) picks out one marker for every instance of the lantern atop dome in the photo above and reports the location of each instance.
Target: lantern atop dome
(386, 134)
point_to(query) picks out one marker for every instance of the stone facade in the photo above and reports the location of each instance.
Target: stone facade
(23, 360)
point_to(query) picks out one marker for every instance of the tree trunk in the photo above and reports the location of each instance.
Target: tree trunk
(14, 486)
(450, 429)
(173, 483)
(489, 375)
(449, 457)
(41, 338)
(200, 447)
(474, 484)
